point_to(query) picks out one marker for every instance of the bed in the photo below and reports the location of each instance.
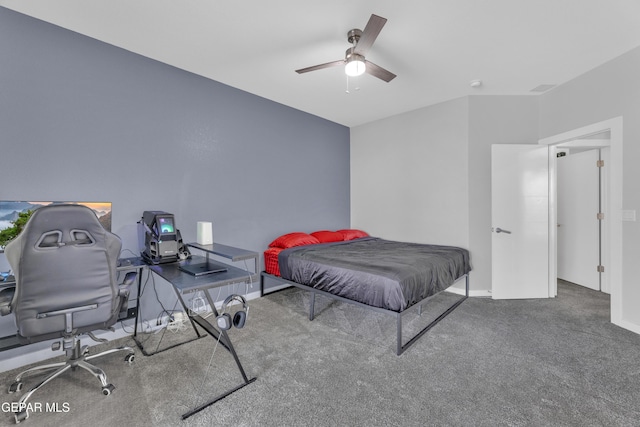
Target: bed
(382, 275)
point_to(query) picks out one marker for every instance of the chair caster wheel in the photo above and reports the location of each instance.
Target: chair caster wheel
(129, 358)
(106, 390)
(21, 416)
(17, 386)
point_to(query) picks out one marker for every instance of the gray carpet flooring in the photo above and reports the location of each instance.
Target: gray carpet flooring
(556, 362)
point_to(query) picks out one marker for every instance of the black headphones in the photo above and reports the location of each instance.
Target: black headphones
(225, 321)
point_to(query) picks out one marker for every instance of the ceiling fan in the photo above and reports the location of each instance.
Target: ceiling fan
(354, 62)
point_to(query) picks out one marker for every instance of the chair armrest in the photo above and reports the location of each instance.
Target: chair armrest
(129, 279)
(6, 297)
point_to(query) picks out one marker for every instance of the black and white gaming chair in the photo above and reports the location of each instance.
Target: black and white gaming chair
(64, 263)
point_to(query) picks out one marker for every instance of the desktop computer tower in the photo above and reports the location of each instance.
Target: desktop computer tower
(160, 241)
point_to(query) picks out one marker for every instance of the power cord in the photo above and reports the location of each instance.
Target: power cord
(140, 316)
(178, 322)
(130, 251)
(199, 306)
(250, 284)
(155, 291)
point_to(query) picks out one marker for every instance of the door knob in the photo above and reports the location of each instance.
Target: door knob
(500, 230)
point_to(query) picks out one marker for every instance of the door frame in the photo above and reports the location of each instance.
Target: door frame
(612, 225)
(584, 271)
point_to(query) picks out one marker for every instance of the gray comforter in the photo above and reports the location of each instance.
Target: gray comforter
(381, 273)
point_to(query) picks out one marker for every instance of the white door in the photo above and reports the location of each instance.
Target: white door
(578, 229)
(520, 221)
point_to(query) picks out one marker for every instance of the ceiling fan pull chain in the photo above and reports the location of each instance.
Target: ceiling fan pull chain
(357, 88)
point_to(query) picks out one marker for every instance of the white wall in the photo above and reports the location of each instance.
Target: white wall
(609, 91)
(492, 120)
(406, 170)
(409, 176)
(425, 176)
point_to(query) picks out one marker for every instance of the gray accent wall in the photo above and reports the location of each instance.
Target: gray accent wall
(83, 120)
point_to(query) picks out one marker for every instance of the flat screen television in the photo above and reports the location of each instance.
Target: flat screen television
(9, 211)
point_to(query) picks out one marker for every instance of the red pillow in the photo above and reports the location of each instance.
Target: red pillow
(350, 234)
(326, 236)
(293, 239)
(271, 264)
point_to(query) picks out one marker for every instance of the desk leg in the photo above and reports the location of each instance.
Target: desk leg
(222, 336)
(211, 402)
(186, 308)
(135, 326)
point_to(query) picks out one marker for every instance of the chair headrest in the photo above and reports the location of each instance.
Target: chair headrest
(60, 225)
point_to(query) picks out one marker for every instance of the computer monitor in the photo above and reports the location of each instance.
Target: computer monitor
(9, 211)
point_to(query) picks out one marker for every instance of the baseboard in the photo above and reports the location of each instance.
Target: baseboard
(252, 295)
(633, 327)
(474, 294)
(275, 288)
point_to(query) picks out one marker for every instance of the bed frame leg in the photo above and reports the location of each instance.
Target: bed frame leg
(311, 305)
(467, 284)
(399, 348)
(261, 285)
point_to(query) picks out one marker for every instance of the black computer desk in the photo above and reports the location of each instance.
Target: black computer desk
(184, 284)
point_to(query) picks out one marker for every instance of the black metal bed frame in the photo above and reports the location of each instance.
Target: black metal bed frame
(400, 348)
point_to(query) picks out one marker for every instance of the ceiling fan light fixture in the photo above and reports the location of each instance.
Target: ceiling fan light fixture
(355, 65)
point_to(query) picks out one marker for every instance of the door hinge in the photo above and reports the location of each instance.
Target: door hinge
(600, 163)
(601, 269)
(600, 216)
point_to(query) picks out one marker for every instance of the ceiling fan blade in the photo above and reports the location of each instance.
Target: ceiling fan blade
(369, 34)
(379, 72)
(321, 66)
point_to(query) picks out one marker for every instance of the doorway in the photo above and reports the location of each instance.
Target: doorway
(599, 135)
(580, 172)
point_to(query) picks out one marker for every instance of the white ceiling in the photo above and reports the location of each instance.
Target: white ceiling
(436, 47)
